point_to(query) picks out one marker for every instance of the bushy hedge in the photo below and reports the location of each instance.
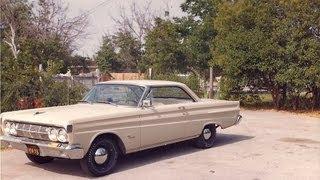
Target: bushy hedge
(62, 93)
(231, 90)
(44, 93)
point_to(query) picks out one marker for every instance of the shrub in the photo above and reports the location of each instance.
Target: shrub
(62, 93)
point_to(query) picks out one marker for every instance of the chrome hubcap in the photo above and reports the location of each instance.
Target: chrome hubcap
(100, 156)
(206, 134)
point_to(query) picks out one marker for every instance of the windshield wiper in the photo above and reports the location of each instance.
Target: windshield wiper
(107, 102)
(84, 101)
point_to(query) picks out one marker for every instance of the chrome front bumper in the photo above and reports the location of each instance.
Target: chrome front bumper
(52, 149)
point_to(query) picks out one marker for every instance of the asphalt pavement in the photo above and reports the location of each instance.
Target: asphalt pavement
(265, 145)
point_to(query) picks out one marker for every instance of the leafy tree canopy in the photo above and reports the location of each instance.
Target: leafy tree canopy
(29, 37)
(119, 53)
(270, 45)
(164, 51)
(106, 57)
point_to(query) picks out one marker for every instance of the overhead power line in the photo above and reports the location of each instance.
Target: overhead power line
(92, 10)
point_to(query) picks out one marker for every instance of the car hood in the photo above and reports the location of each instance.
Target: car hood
(65, 115)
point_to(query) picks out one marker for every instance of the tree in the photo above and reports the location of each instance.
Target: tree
(129, 51)
(22, 22)
(51, 21)
(198, 33)
(132, 27)
(106, 57)
(163, 49)
(202, 9)
(196, 39)
(268, 45)
(80, 64)
(302, 49)
(119, 53)
(15, 22)
(138, 22)
(29, 37)
(16, 72)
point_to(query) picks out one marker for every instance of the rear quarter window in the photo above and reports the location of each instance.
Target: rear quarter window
(169, 95)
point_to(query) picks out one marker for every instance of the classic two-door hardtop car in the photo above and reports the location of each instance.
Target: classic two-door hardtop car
(114, 118)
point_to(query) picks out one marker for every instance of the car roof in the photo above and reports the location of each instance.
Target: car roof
(143, 82)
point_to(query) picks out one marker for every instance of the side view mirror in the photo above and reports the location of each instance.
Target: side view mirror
(147, 102)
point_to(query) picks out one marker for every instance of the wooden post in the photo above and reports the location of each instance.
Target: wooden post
(211, 83)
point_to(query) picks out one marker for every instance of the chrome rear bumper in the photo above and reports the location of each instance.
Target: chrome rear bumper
(46, 148)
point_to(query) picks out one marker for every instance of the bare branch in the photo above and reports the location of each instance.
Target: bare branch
(51, 20)
(139, 21)
(44, 20)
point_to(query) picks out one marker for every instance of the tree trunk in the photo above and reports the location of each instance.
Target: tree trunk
(284, 95)
(12, 42)
(296, 102)
(275, 92)
(315, 97)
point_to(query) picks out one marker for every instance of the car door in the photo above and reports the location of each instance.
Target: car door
(196, 117)
(162, 124)
(165, 120)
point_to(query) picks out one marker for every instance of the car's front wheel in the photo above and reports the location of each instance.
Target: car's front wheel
(207, 137)
(39, 159)
(101, 157)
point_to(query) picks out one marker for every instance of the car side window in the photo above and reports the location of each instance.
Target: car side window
(169, 95)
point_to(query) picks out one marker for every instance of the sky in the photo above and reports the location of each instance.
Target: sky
(102, 11)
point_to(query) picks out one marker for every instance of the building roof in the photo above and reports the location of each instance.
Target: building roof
(142, 82)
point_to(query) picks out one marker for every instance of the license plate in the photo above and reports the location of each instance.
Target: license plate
(33, 149)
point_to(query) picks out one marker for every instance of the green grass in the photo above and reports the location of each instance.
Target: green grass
(266, 97)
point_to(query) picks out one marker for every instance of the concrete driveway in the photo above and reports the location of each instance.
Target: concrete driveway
(265, 145)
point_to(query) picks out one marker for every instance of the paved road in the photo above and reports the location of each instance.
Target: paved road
(266, 145)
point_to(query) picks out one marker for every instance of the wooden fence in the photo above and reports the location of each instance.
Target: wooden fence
(90, 79)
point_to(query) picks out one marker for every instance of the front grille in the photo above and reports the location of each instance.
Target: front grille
(32, 131)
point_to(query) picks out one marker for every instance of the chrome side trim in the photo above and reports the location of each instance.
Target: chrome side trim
(239, 117)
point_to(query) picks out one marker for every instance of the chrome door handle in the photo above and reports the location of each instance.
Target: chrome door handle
(130, 136)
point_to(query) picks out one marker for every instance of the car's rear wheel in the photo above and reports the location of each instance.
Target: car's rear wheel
(39, 159)
(101, 157)
(207, 137)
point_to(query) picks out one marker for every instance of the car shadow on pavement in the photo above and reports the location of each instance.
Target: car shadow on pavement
(138, 159)
(153, 155)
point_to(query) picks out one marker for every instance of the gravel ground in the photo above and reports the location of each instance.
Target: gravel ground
(265, 145)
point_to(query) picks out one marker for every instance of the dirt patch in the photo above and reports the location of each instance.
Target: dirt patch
(299, 140)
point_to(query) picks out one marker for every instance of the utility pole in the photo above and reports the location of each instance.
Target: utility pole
(211, 83)
(150, 73)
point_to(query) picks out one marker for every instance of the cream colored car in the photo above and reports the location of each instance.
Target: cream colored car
(114, 118)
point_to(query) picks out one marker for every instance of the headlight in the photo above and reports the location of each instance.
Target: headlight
(13, 129)
(10, 128)
(57, 134)
(7, 128)
(62, 135)
(52, 133)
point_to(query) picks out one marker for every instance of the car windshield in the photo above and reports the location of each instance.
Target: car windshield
(115, 94)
